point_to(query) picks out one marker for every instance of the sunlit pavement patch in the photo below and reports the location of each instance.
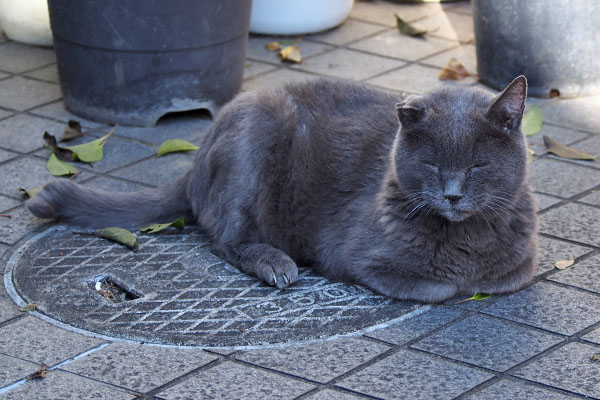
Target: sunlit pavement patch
(173, 290)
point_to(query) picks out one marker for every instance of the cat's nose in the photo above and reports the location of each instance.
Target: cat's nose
(453, 198)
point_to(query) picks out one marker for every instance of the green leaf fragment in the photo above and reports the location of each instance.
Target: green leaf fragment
(175, 145)
(179, 223)
(476, 296)
(532, 122)
(60, 168)
(92, 151)
(28, 307)
(407, 29)
(119, 235)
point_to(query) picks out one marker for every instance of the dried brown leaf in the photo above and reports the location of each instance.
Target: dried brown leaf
(5, 216)
(39, 374)
(595, 357)
(554, 93)
(72, 131)
(564, 264)
(273, 46)
(454, 71)
(62, 153)
(291, 53)
(28, 307)
(561, 150)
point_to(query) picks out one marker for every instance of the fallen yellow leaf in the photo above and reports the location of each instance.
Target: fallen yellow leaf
(291, 53)
(564, 264)
(272, 46)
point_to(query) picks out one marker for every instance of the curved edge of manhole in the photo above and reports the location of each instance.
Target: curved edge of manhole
(16, 297)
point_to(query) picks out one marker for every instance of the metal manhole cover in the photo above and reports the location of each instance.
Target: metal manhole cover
(186, 295)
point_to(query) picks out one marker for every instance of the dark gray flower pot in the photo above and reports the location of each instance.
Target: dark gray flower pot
(555, 43)
(131, 61)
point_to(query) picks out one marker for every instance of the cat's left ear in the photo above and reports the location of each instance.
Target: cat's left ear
(410, 110)
(507, 108)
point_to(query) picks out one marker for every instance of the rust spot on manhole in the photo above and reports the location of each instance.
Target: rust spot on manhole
(175, 291)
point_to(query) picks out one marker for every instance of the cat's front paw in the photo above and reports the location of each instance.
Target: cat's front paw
(277, 269)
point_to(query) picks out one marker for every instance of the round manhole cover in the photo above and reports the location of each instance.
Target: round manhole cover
(173, 290)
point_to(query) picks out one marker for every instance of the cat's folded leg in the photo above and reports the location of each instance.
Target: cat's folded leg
(412, 288)
(269, 264)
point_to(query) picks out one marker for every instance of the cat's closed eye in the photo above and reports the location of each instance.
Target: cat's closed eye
(478, 166)
(430, 166)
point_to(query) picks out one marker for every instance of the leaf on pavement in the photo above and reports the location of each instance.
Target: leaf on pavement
(407, 29)
(60, 168)
(532, 121)
(119, 235)
(291, 53)
(476, 296)
(564, 264)
(561, 150)
(72, 131)
(454, 71)
(179, 223)
(175, 145)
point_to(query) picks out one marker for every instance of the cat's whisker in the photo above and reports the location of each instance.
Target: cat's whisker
(485, 219)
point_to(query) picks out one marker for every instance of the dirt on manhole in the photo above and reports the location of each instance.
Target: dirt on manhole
(173, 290)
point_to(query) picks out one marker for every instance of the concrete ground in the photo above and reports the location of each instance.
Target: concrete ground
(534, 344)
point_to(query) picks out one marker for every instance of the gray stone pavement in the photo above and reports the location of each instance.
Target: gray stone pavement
(534, 344)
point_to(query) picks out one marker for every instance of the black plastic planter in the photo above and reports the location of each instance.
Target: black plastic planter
(555, 43)
(132, 61)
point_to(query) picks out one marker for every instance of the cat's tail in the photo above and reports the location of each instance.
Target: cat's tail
(79, 205)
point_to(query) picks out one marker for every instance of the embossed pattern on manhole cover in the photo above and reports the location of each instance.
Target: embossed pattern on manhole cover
(188, 295)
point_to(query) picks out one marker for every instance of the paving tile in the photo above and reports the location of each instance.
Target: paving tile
(551, 251)
(6, 155)
(329, 394)
(563, 135)
(253, 68)
(24, 132)
(348, 64)
(48, 74)
(16, 57)
(382, 12)
(257, 48)
(7, 203)
(551, 307)
(488, 342)
(568, 367)
(405, 374)
(187, 127)
(593, 336)
(349, 31)
(573, 221)
(393, 44)
(277, 78)
(58, 111)
(8, 308)
(585, 275)
(137, 366)
(5, 113)
(461, 7)
(581, 112)
(465, 54)
(12, 369)
(545, 201)
(20, 223)
(232, 381)
(412, 328)
(113, 184)
(158, 171)
(321, 362)
(26, 172)
(63, 385)
(452, 26)
(561, 178)
(19, 93)
(592, 198)
(415, 79)
(511, 390)
(35, 340)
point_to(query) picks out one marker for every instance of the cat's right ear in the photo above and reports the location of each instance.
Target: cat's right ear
(507, 108)
(410, 110)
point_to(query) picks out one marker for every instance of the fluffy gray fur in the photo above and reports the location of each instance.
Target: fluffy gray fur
(422, 201)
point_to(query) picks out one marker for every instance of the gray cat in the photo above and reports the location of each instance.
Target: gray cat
(423, 202)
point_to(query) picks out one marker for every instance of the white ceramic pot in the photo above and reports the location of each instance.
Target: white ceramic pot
(26, 21)
(294, 17)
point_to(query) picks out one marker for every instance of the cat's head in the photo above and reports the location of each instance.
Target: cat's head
(460, 151)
